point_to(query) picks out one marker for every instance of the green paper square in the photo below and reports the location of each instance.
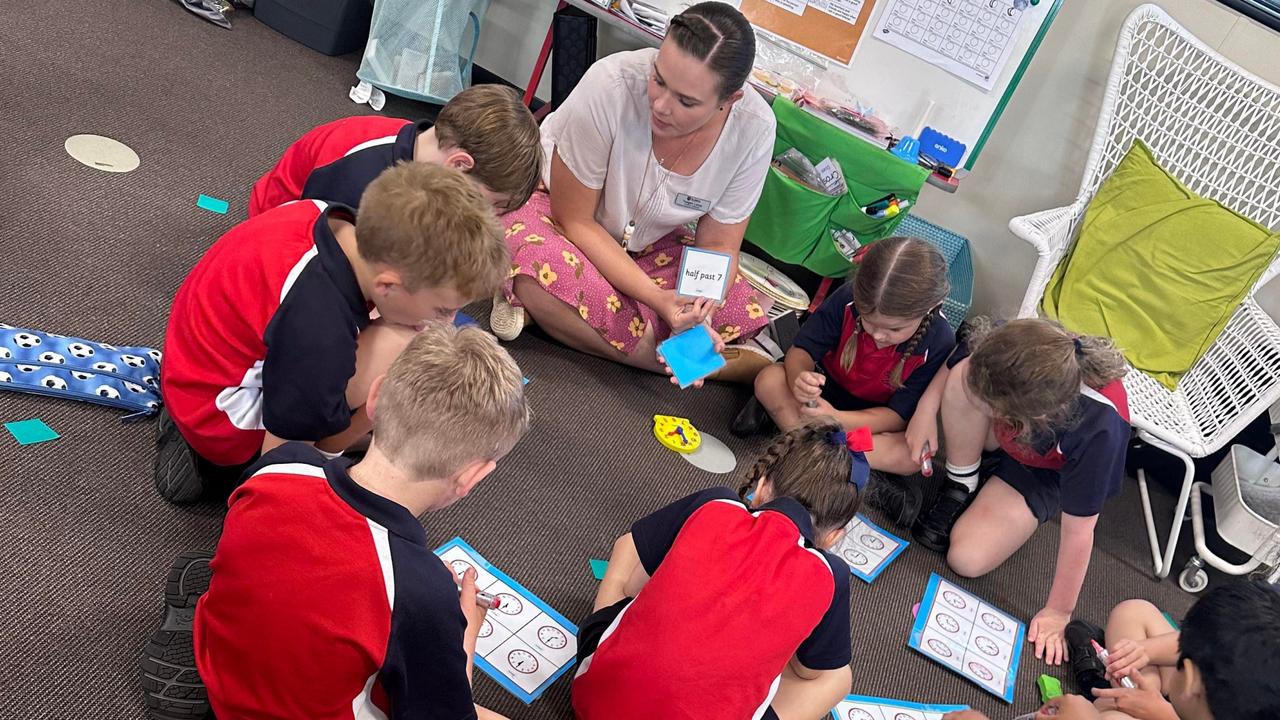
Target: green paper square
(598, 567)
(30, 432)
(212, 204)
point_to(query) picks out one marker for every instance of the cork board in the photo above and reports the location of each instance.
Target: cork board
(830, 28)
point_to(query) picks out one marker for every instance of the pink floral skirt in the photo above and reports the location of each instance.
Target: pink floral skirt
(540, 250)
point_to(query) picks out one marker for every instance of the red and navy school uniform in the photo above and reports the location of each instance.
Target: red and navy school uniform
(866, 384)
(734, 593)
(262, 335)
(327, 604)
(1074, 469)
(336, 161)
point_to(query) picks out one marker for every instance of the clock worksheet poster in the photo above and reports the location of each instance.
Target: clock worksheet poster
(971, 39)
(969, 636)
(862, 707)
(524, 645)
(868, 548)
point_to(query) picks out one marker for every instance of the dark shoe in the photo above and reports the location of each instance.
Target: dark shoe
(752, 419)
(176, 477)
(899, 498)
(173, 689)
(1086, 667)
(933, 528)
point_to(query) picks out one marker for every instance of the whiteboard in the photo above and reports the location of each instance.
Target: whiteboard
(901, 86)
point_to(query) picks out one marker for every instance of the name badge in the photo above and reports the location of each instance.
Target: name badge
(692, 203)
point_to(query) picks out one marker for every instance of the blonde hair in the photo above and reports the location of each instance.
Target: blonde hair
(432, 225)
(453, 397)
(899, 277)
(499, 133)
(1029, 372)
(807, 466)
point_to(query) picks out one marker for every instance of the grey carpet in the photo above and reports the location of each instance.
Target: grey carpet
(85, 541)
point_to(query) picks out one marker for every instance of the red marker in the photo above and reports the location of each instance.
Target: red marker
(487, 601)
(1103, 655)
(926, 460)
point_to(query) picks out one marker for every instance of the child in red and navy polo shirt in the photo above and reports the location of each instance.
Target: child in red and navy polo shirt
(715, 609)
(326, 600)
(269, 337)
(484, 131)
(1050, 409)
(868, 353)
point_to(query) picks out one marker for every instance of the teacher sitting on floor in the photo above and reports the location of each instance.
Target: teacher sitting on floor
(648, 142)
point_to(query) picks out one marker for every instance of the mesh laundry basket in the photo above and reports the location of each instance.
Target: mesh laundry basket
(422, 49)
(959, 264)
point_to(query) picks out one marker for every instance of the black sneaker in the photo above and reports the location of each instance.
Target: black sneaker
(173, 689)
(1086, 667)
(752, 419)
(176, 477)
(899, 498)
(933, 528)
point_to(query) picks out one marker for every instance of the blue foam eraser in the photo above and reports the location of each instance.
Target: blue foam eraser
(946, 150)
(691, 355)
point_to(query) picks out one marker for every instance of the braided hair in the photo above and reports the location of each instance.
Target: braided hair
(807, 466)
(899, 277)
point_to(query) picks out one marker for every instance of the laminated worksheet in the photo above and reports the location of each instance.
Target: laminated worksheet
(868, 548)
(971, 39)
(524, 645)
(969, 636)
(862, 707)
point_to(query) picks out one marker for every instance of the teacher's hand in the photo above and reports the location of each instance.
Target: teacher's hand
(681, 313)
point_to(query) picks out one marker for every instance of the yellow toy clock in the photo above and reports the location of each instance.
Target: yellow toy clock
(676, 433)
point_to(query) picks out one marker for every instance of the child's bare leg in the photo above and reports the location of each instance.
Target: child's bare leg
(623, 562)
(801, 699)
(892, 454)
(1139, 621)
(965, 423)
(990, 530)
(774, 394)
(377, 347)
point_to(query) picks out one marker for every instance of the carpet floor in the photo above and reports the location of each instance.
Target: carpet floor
(84, 539)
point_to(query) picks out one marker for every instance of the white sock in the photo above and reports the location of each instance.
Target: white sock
(966, 475)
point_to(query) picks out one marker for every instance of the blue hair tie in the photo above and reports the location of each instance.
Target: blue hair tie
(857, 442)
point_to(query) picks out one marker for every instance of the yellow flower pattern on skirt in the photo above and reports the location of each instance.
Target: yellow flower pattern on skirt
(540, 250)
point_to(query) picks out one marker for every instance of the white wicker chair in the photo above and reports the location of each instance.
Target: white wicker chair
(1217, 128)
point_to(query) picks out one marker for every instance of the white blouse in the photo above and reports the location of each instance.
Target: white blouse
(602, 133)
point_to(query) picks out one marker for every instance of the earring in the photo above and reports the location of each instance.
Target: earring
(722, 107)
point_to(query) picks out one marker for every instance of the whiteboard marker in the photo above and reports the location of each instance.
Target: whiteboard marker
(926, 460)
(487, 601)
(1103, 655)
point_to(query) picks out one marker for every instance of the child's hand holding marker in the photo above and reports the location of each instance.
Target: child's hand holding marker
(1126, 658)
(808, 387)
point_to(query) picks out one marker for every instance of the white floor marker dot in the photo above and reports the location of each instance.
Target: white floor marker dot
(712, 456)
(102, 153)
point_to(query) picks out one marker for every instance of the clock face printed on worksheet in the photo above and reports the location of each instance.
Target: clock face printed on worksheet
(981, 671)
(940, 647)
(510, 605)
(993, 622)
(948, 623)
(986, 645)
(552, 637)
(860, 714)
(853, 557)
(460, 567)
(955, 600)
(523, 661)
(486, 629)
(872, 542)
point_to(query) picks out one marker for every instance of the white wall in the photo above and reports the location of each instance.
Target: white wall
(1036, 155)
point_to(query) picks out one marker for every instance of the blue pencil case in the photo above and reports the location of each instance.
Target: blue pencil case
(41, 363)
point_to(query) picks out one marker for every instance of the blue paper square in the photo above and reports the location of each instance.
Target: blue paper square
(691, 355)
(212, 204)
(30, 432)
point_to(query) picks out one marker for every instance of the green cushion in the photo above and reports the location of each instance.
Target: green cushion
(1157, 268)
